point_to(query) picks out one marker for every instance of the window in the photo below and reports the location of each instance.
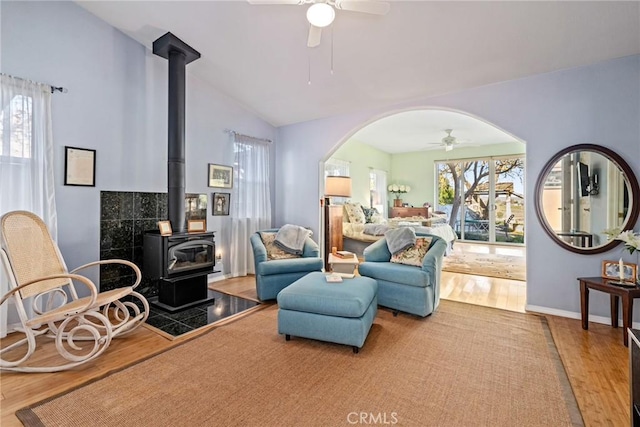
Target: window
(250, 203)
(378, 191)
(251, 181)
(26, 156)
(16, 127)
(483, 198)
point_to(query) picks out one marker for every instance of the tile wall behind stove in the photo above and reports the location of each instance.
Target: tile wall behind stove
(124, 217)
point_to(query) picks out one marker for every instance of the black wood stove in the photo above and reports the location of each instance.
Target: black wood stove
(181, 262)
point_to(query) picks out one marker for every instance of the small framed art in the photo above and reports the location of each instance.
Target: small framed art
(220, 176)
(79, 167)
(613, 270)
(220, 205)
(196, 226)
(165, 228)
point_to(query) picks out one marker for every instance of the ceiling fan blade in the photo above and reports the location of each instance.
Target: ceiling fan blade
(367, 6)
(315, 34)
(275, 1)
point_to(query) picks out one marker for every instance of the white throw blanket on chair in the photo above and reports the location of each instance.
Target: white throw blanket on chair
(290, 238)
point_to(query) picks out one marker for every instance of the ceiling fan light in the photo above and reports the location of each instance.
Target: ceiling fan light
(448, 147)
(320, 15)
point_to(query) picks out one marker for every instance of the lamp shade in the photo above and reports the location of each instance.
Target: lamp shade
(337, 186)
(320, 15)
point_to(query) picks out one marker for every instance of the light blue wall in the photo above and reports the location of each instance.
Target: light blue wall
(116, 104)
(597, 104)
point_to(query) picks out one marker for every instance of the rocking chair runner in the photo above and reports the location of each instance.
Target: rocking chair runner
(36, 270)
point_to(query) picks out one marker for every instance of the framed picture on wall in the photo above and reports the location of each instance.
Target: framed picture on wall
(79, 167)
(220, 176)
(220, 205)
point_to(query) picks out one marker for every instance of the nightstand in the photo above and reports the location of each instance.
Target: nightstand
(343, 265)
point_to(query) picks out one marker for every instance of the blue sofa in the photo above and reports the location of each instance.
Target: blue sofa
(406, 288)
(272, 276)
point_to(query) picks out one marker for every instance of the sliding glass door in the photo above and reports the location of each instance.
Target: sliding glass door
(483, 198)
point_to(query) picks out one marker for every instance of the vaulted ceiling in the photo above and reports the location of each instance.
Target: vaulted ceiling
(257, 54)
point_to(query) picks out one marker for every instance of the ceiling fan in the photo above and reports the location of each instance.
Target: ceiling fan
(321, 13)
(448, 141)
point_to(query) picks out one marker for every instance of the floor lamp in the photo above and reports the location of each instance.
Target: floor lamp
(334, 186)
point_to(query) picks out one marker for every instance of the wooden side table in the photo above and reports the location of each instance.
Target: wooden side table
(343, 265)
(627, 294)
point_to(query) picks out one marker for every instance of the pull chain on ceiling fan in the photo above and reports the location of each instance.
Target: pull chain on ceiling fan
(321, 14)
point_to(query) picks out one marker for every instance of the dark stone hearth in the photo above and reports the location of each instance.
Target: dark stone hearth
(217, 308)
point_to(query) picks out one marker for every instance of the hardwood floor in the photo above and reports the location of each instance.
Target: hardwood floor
(492, 292)
(595, 360)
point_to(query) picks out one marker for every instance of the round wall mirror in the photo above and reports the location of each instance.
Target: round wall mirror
(583, 191)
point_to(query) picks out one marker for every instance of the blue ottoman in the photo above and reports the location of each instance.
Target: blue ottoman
(335, 312)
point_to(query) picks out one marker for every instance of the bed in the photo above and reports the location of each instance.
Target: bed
(356, 235)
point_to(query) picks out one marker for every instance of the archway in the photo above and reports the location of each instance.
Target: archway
(490, 208)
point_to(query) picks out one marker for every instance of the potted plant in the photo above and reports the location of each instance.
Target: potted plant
(397, 190)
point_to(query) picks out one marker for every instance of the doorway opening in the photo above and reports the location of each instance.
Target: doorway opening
(412, 150)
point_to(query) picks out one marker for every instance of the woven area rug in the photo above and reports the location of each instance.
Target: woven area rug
(463, 366)
(490, 265)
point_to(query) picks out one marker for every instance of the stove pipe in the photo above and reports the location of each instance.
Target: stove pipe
(179, 55)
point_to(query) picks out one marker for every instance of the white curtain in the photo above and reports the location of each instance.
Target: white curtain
(26, 158)
(250, 201)
(378, 179)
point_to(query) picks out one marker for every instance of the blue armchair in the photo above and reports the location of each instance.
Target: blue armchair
(272, 276)
(403, 287)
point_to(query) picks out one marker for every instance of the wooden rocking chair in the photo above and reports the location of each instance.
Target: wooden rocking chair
(81, 327)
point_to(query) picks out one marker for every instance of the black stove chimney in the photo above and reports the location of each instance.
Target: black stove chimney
(179, 55)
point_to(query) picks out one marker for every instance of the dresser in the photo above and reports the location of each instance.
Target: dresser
(406, 212)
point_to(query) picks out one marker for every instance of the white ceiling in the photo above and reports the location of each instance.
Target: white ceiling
(422, 130)
(257, 54)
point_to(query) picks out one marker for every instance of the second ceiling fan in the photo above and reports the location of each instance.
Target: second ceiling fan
(448, 141)
(321, 14)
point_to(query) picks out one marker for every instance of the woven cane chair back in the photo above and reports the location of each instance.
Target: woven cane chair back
(31, 252)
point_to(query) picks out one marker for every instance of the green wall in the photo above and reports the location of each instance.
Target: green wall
(362, 159)
(416, 169)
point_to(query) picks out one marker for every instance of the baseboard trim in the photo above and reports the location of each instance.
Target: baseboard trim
(573, 315)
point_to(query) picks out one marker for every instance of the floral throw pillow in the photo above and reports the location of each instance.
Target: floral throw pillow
(273, 251)
(368, 214)
(354, 213)
(414, 254)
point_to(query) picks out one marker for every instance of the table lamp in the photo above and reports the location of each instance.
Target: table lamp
(337, 186)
